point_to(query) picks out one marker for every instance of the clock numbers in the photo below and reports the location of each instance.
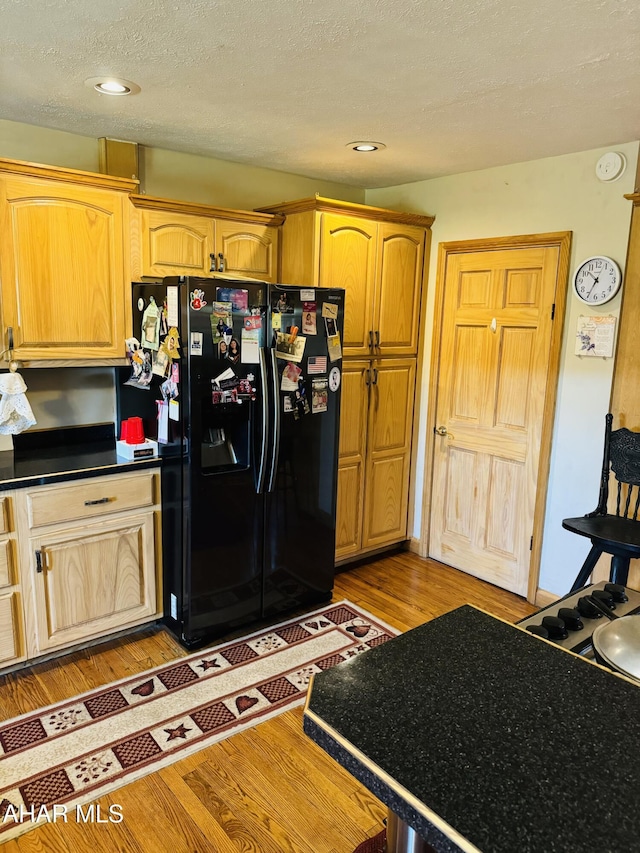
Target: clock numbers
(597, 280)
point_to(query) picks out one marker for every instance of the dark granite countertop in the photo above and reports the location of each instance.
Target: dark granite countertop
(40, 457)
(483, 737)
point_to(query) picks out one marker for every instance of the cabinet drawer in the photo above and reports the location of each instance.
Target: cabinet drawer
(89, 498)
(9, 628)
(6, 564)
(5, 515)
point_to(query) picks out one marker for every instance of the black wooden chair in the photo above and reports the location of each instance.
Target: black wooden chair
(619, 534)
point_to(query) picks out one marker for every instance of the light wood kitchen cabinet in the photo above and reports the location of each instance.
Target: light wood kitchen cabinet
(354, 408)
(180, 238)
(12, 645)
(375, 454)
(391, 403)
(89, 551)
(64, 273)
(378, 257)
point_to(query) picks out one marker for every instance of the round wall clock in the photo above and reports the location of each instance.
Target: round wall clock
(597, 280)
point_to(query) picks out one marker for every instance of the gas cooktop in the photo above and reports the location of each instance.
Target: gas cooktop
(570, 621)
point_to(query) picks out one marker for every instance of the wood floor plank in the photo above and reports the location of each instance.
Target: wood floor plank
(48, 838)
(243, 797)
(279, 795)
(20, 692)
(196, 810)
(283, 785)
(242, 820)
(157, 819)
(315, 768)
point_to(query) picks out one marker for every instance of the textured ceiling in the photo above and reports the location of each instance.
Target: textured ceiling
(448, 85)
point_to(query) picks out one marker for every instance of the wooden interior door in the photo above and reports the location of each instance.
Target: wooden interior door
(347, 260)
(492, 384)
(388, 451)
(399, 283)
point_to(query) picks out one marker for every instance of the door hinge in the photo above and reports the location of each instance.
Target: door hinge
(531, 544)
(553, 310)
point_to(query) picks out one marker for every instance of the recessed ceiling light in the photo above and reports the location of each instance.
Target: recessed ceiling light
(112, 86)
(366, 146)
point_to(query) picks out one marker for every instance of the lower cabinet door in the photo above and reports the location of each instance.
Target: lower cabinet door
(356, 380)
(10, 635)
(389, 451)
(93, 579)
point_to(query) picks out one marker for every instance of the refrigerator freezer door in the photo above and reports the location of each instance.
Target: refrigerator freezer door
(301, 495)
(225, 467)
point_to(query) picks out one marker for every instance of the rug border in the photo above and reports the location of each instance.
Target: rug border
(189, 655)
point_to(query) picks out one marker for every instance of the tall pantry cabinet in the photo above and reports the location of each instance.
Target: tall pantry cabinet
(378, 257)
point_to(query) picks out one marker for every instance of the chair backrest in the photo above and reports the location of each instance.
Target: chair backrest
(622, 457)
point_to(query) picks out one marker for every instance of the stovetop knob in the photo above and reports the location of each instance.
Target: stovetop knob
(556, 628)
(618, 592)
(588, 609)
(571, 618)
(604, 597)
(538, 630)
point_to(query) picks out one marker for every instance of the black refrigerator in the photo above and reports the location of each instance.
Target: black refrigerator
(239, 381)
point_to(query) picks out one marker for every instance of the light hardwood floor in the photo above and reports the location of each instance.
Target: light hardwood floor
(266, 790)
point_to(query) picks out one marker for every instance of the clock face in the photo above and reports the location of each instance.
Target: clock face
(597, 280)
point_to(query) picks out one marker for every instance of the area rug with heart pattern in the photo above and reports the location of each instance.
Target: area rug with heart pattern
(55, 760)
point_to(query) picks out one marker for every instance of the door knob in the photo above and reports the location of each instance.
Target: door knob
(442, 430)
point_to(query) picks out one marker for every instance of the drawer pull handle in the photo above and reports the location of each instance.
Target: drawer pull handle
(99, 501)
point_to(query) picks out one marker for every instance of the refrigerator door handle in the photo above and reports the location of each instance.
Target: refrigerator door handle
(276, 422)
(262, 470)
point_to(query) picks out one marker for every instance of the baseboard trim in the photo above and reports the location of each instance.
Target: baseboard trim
(365, 556)
(415, 546)
(545, 598)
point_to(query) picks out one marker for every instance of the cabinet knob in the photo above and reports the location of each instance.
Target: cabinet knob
(39, 561)
(374, 381)
(377, 339)
(221, 262)
(213, 265)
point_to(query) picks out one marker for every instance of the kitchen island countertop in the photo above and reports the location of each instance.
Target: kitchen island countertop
(482, 737)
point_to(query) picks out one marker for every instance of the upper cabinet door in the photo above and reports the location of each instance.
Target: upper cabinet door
(63, 272)
(248, 250)
(399, 284)
(174, 243)
(347, 260)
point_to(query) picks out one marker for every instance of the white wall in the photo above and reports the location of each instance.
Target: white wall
(554, 194)
(172, 174)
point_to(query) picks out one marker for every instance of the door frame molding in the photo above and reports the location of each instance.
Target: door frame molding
(562, 241)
